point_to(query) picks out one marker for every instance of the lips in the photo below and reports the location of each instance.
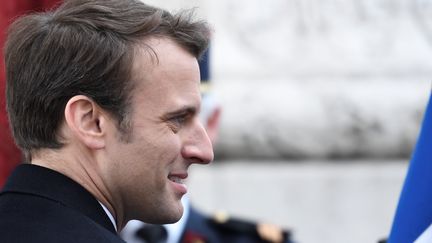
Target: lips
(177, 180)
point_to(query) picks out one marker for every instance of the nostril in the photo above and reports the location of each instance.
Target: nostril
(197, 155)
(197, 160)
(198, 148)
(201, 153)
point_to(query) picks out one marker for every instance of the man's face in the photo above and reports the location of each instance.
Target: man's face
(145, 174)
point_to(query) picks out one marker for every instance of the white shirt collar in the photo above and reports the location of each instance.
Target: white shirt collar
(110, 216)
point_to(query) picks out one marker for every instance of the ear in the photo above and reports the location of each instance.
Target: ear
(86, 121)
(212, 124)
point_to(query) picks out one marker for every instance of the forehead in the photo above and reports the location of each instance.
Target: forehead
(166, 69)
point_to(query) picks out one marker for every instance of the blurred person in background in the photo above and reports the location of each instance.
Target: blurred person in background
(10, 155)
(103, 99)
(195, 226)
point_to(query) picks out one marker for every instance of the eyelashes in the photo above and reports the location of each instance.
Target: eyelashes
(180, 118)
(178, 121)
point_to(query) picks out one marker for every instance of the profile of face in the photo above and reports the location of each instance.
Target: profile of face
(145, 174)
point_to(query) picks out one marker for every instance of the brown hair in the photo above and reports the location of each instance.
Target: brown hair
(83, 47)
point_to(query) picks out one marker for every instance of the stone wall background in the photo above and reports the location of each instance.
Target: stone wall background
(304, 79)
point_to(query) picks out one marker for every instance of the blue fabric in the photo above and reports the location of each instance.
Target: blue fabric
(414, 211)
(204, 66)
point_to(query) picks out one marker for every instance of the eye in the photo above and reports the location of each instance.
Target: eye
(177, 122)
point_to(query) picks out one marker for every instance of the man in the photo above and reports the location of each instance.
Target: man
(134, 232)
(196, 226)
(103, 98)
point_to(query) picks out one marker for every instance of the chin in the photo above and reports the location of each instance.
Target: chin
(165, 220)
(172, 220)
(176, 215)
(171, 215)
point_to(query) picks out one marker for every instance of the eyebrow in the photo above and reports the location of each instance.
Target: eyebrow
(186, 110)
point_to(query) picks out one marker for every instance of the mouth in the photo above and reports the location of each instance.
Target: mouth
(176, 179)
(177, 182)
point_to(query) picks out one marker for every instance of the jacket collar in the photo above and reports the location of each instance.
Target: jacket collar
(50, 184)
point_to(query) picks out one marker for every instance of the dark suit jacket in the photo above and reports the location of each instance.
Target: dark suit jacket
(41, 205)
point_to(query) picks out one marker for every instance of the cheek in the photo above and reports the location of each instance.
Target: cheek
(153, 159)
(149, 159)
(130, 162)
(168, 147)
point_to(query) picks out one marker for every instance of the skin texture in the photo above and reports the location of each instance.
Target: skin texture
(132, 177)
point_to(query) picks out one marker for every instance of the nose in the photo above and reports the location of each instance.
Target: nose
(197, 147)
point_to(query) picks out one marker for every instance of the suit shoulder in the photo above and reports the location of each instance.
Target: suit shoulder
(29, 218)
